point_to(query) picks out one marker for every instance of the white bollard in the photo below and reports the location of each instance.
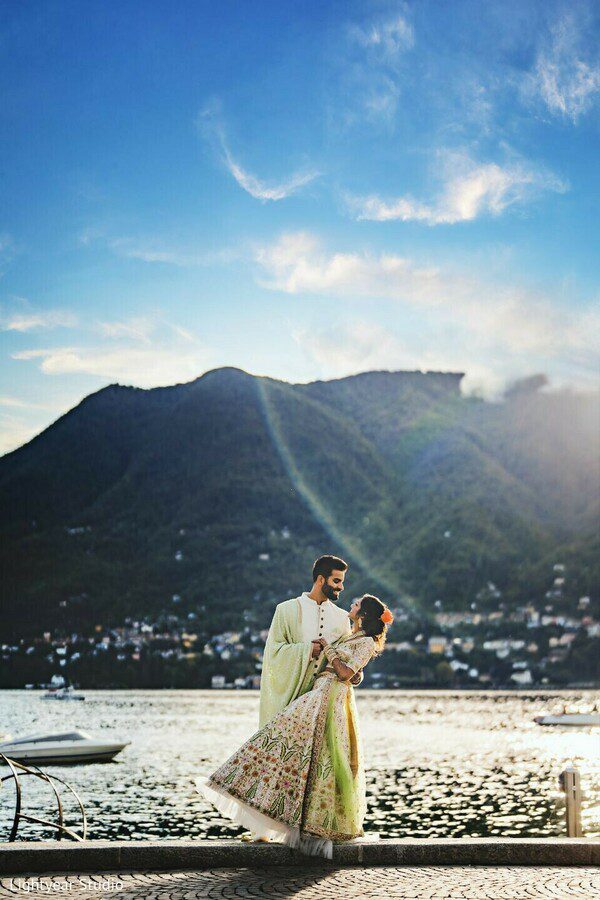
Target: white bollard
(570, 782)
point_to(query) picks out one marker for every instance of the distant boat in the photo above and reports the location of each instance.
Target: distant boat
(62, 693)
(60, 749)
(569, 719)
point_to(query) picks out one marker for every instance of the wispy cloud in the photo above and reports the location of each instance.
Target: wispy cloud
(19, 403)
(21, 420)
(565, 76)
(470, 190)
(368, 73)
(14, 432)
(362, 345)
(150, 366)
(144, 329)
(184, 333)
(132, 248)
(155, 249)
(147, 350)
(261, 190)
(43, 319)
(385, 40)
(497, 326)
(210, 124)
(139, 329)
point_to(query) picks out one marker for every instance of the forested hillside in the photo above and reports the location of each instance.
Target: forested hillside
(221, 492)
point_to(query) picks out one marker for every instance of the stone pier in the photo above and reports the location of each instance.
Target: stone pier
(470, 869)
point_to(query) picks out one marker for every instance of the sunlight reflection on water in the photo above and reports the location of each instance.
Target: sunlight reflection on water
(438, 764)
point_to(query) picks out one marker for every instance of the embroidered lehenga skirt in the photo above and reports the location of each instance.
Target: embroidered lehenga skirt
(300, 779)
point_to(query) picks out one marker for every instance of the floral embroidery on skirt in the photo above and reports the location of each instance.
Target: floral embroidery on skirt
(304, 769)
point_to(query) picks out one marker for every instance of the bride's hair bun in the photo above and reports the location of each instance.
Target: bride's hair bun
(373, 618)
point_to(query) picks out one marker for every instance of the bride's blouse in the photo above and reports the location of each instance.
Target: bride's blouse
(355, 651)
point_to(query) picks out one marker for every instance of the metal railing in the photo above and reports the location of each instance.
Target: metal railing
(19, 770)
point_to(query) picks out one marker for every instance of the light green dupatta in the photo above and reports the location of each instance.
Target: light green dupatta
(285, 662)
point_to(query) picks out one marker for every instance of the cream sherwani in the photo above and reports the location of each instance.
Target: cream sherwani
(288, 668)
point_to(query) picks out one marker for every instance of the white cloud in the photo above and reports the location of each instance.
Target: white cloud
(155, 250)
(499, 331)
(30, 321)
(260, 189)
(150, 366)
(380, 99)
(130, 248)
(14, 433)
(470, 190)
(359, 346)
(18, 403)
(385, 40)
(367, 82)
(362, 346)
(209, 122)
(563, 77)
(139, 329)
(21, 420)
(184, 333)
(142, 328)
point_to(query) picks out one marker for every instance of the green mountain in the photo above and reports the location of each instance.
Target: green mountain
(221, 492)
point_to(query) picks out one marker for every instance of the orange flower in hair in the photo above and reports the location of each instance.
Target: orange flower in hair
(386, 617)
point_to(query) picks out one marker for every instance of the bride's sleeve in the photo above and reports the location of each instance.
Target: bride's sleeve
(357, 656)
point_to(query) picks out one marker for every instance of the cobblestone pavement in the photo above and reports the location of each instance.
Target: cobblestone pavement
(410, 883)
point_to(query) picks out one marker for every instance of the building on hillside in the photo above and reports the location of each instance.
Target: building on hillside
(437, 644)
(522, 677)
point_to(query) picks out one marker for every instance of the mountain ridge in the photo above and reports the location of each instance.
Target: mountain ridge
(428, 493)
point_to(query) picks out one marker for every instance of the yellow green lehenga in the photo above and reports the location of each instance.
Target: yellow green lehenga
(300, 778)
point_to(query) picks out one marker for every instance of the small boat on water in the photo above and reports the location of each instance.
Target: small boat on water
(62, 693)
(60, 749)
(569, 719)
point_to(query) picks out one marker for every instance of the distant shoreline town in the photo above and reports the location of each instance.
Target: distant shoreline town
(490, 648)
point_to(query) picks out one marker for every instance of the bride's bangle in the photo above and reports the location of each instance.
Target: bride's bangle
(331, 654)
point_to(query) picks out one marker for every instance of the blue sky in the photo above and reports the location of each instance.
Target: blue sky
(301, 189)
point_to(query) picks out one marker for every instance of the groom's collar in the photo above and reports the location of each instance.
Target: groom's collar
(311, 600)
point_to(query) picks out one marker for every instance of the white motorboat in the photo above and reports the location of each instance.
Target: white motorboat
(59, 749)
(569, 719)
(62, 693)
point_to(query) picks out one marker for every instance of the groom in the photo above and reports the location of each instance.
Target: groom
(293, 653)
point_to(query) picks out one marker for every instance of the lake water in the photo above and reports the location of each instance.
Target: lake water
(438, 763)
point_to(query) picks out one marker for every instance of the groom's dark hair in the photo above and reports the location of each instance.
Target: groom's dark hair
(325, 565)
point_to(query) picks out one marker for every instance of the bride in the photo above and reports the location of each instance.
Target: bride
(300, 779)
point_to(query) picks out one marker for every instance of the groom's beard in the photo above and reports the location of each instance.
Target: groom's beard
(331, 593)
